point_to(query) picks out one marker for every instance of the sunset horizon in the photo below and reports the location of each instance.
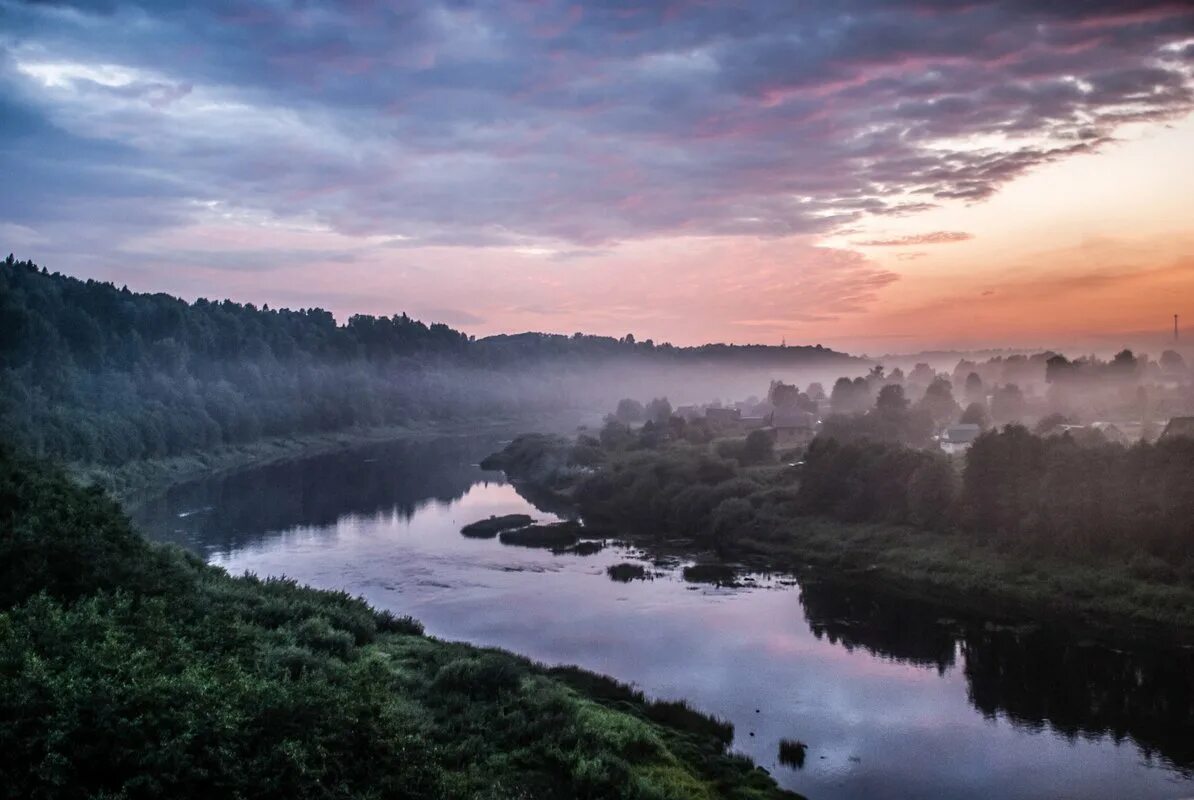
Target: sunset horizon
(602, 399)
(878, 181)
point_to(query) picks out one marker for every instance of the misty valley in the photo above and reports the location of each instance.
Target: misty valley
(253, 551)
(591, 400)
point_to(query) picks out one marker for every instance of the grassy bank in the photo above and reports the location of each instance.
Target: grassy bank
(134, 670)
(1112, 601)
(756, 514)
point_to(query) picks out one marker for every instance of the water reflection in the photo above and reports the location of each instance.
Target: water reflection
(233, 511)
(1038, 677)
(894, 698)
(1033, 676)
(907, 631)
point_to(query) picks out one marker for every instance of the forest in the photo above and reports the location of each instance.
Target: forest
(94, 373)
(1043, 523)
(133, 670)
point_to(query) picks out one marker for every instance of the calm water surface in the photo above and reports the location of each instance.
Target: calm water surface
(894, 700)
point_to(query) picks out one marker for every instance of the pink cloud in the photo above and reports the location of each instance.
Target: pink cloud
(936, 237)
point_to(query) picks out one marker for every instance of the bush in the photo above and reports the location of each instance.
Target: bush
(483, 677)
(388, 622)
(317, 634)
(678, 714)
(625, 572)
(185, 682)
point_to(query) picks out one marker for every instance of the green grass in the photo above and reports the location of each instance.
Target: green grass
(135, 670)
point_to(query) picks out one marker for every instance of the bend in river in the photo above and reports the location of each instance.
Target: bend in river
(894, 699)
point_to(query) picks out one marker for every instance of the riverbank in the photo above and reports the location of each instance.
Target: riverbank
(684, 500)
(134, 668)
(1109, 602)
(137, 480)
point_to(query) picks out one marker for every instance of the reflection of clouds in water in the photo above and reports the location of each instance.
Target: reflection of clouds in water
(889, 703)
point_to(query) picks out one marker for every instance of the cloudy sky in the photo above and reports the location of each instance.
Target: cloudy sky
(872, 175)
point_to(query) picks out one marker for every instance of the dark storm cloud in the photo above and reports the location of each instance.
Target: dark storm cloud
(496, 123)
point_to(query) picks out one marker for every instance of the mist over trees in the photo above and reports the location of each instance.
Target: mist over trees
(90, 372)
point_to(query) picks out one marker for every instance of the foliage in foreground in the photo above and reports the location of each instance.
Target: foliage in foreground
(131, 670)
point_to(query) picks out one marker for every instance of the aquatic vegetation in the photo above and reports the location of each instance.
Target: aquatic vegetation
(716, 574)
(626, 572)
(491, 527)
(588, 547)
(556, 534)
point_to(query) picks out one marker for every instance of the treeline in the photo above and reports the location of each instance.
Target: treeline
(1049, 494)
(1079, 499)
(91, 372)
(134, 670)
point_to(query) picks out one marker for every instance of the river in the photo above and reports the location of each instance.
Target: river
(894, 699)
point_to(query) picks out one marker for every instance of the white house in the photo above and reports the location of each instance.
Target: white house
(958, 438)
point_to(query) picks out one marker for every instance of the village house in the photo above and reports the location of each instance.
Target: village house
(1111, 432)
(958, 438)
(792, 427)
(723, 416)
(1179, 426)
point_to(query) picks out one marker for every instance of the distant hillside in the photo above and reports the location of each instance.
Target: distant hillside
(554, 345)
(94, 324)
(91, 372)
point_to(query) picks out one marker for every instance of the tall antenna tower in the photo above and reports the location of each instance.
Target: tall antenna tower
(1175, 328)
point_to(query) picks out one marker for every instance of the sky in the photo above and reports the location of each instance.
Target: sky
(869, 175)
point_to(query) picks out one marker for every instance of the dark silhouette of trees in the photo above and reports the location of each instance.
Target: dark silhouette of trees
(891, 420)
(975, 391)
(891, 400)
(782, 395)
(630, 410)
(939, 403)
(1067, 496)
(659, 410)
(975, 414)
(1007, 404)
(850, 396)
(94, 373)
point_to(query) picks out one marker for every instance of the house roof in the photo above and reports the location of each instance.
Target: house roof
(791, 418)
(961, 434)
(1179, 426)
